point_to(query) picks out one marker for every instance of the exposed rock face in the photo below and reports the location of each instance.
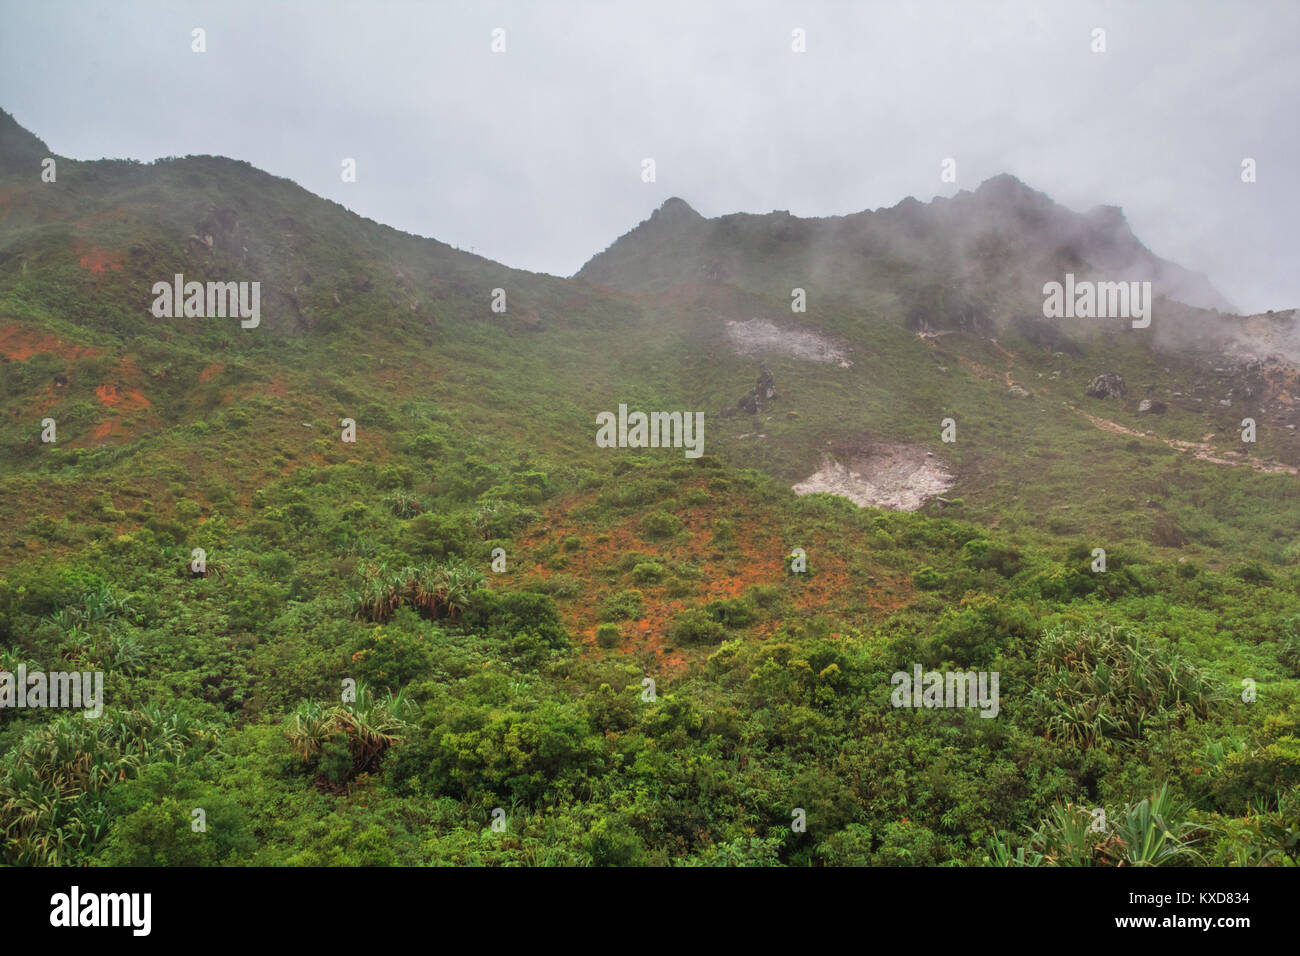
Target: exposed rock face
(1015, 391)
(764, 392)
(220, 229)
(758, 336)
(1107, 385)
(882, 475)
(1155, 408)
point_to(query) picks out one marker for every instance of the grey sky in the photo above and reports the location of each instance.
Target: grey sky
(533, 157)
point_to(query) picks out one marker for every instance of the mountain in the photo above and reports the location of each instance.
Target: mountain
(1002, 236)
(210, 217)
(419, 476)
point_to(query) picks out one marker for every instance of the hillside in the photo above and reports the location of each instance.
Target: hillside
(521, 686)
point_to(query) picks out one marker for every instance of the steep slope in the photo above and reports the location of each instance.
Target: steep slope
(1000, 242)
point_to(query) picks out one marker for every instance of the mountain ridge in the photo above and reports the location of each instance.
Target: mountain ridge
(1100, 237)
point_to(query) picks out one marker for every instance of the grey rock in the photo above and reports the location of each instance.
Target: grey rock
(1107, 385)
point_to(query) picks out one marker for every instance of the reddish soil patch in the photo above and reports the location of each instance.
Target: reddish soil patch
(19, 344)
(98, 259)
(105, 429)
(211, 372)
(756, 559)
(111, 396)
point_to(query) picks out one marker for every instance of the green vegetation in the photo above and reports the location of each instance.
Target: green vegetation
(349, 681)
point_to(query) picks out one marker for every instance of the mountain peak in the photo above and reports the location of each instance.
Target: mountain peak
(1007, 188)
(675, 209)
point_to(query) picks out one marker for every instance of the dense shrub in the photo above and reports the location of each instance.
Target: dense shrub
(624, 605)
(697, 627)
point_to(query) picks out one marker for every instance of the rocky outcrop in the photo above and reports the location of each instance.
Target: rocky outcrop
(220, 229)
(763, 393)
(1107, 385)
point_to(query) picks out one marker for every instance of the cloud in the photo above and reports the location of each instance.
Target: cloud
(533, 156)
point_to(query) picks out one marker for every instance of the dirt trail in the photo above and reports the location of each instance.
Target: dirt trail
(1199, 449)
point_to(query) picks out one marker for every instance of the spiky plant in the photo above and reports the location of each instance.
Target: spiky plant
(1153, 832)
(307, 730)
(51, 782)
(369, 725)
(428, 589)
(459, 582)
(1111, 683)
(379, 593)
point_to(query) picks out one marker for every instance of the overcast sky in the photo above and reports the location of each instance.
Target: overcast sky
(533, 156)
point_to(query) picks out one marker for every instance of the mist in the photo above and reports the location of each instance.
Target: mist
(533, 156)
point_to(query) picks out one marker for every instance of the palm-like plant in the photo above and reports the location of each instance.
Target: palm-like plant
(1149, 834)
(51, 781)
(369, 725)
(434, 590)
(1112, 683)
(459, 582)
(428, 588)
(380, 593)
(306, 730)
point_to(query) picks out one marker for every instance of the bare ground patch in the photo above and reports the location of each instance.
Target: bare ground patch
(760, 336)
(889, 475)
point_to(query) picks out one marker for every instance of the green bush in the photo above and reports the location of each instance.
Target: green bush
(660, 524)
(503, 613)
(623, 606)
(927, 579)
(695, 626)
(392, 656)
(608, 635)
(648, 572)
(732, 612)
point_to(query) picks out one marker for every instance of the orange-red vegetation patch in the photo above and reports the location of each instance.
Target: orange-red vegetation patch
(99, 259)
(757, 559)
(211, 372)
(19, 344)
(111, 396)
